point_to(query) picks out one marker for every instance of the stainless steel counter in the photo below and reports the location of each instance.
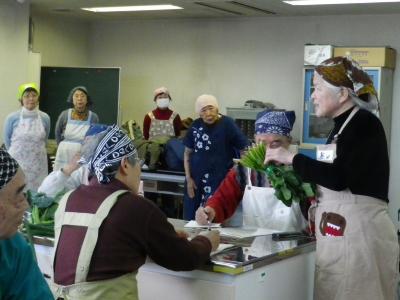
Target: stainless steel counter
(256, 268)
(252, 252)
(245, 255)
(258, 252)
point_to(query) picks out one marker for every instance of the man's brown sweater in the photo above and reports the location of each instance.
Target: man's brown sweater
(134, 229)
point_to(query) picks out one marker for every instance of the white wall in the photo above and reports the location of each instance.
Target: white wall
(234, 59)
(61, 42)
(14, 19)
(34, 67)
(56, 42)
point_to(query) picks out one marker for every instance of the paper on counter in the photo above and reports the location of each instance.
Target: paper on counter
(221, 248)
(244, 232)
(194, 224)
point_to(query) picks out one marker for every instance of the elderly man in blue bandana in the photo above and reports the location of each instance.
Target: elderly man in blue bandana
(245, 196)
(104, 231)
(20, 277)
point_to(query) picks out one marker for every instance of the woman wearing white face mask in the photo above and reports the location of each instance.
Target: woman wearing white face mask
(162, 121)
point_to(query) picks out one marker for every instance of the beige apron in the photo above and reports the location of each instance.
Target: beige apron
(262, 209)
(357, 253)
(74, 134)
(123, 287)
(161, 127)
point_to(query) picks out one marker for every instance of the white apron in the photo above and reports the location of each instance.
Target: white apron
(262, 209)
(161, 127)
(73, 137)
(357, 247)
(123, 287)
(28, 147)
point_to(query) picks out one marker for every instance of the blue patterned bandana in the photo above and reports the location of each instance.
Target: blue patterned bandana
(275, 122)
(8, 168)
(108, 155)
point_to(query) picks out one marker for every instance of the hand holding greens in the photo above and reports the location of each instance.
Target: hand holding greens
(287, 183)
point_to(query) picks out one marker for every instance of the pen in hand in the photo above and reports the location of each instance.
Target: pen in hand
(208, 217)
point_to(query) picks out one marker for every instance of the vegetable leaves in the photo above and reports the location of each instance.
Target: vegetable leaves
(287, 183)
(41, 222)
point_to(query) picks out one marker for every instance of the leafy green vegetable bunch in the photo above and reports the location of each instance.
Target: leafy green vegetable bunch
(287, 183)
(42, 214)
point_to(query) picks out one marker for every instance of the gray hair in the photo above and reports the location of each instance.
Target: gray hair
(372, 106)
(133, 159)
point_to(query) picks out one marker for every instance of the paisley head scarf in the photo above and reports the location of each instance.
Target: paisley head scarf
(275, 122)
(108, 155)
(344, 72)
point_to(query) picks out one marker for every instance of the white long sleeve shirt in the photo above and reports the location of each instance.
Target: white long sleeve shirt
(57, 181)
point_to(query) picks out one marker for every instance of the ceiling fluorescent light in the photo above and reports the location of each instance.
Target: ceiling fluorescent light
(131, 8)
(331, 2)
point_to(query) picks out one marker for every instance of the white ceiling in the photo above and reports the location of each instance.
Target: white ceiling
(203, 9)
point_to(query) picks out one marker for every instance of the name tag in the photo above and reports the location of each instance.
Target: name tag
(326, 153)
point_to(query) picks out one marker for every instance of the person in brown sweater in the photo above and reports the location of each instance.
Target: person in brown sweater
(105, 231)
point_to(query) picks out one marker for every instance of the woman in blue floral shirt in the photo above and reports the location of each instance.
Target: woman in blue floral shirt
(211, 143)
